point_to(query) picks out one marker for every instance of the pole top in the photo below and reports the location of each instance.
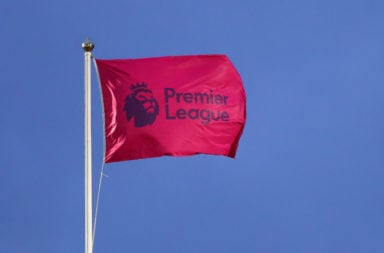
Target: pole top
(88, 45)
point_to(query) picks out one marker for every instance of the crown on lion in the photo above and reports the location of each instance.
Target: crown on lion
(138, 86)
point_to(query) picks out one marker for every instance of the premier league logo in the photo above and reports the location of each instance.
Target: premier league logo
(141, 105)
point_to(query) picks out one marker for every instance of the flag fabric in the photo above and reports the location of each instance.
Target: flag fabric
(174, 105)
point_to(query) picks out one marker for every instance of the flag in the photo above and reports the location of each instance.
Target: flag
(174, 105)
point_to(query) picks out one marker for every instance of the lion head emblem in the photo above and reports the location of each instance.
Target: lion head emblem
(141, 105)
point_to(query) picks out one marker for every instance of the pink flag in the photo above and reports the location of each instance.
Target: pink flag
(177, 106)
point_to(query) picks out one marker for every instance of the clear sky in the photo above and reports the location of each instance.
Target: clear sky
(309, 172)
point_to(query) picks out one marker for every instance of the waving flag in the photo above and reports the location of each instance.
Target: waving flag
(177, 106)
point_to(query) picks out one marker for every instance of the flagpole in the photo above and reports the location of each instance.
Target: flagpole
(88, 46)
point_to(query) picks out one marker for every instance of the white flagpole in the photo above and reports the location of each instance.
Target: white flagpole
(88, 46)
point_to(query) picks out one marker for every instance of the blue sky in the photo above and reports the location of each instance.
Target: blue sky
(308, 176)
